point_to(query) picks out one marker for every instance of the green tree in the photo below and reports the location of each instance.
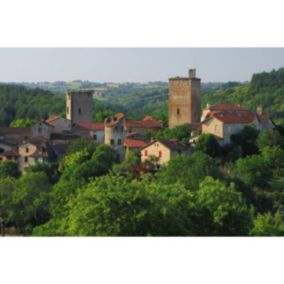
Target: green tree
(253, 171)
(189, 170)
(268, 225)
(208, 144)
(30, 202)
(22, 122)
(221, 210)
(8, 169)
(269, 138)
(246, 140)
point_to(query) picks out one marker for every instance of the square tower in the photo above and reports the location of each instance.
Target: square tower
(79, 106)
(184, 100)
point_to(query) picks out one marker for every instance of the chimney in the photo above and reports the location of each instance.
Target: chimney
(259, 110)
(192, 73)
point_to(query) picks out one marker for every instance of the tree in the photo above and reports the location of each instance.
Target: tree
(209, 145)
(246, 139)
(221, 210)
(188, 170)
(8, 169)
(268, 225)
(30, 202)
(22, 122)
(253, 171)
(270, 138)
(113, 206)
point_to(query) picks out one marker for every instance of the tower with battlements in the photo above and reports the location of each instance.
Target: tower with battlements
(184, 104)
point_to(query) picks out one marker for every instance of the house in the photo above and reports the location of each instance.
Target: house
(144, 125)
(59, 123)
(42, 129)
(162, 151)
(33, 152)
(96, 130)
(134, 145)
(224, 120)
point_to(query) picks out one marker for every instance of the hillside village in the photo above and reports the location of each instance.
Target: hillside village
(47, 141)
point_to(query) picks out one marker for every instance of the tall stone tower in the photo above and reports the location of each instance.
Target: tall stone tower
(184, 100)
(79, 106)
(115, 134)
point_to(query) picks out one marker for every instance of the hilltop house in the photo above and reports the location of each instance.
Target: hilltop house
(224, 120)
(162, 151)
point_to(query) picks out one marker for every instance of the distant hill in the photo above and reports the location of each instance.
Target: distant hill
(35, 100)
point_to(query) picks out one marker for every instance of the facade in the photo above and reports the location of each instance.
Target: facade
(115, 134)
(162, 151)
(184, 100)
(79, 106)
(42, 129)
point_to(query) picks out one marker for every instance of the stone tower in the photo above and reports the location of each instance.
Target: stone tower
(184, 100)
(115, 134)
(79, 106)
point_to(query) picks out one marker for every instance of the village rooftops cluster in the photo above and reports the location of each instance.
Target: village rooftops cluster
(48, 140)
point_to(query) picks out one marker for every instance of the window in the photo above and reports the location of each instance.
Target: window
(27, 150)
(119, 142)
(39, 130)
(178, 111)
(1, 158)
(95, 137)
(160, 154)
(111, 142)
(145, 153)
(36, 159)
(26, 159)
(121, 128)
(116, 128)
(79, 111)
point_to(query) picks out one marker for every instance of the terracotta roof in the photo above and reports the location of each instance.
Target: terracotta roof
(238, 117)
(52, 118)
(133, 143)
(148, 124)
(173, 145)
(226, 107)
(92, 125)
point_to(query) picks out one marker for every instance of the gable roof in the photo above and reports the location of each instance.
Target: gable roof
(134, 143)
(226, 107)
(246, 117)
(171, 144)
(92, 125)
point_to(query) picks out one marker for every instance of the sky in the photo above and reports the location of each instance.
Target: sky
(135, 64)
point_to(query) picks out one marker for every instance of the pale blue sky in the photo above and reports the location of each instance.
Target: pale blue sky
(135, 64)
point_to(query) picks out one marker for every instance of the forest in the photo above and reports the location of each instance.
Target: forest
(235, 190)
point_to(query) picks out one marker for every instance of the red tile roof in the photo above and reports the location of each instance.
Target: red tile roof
(92, 125)
(226, 107)
(238, 117)
(133, 143)
(52, 118)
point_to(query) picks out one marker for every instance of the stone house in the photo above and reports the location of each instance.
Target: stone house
(224, 120)
(162, 151)
(60, 124)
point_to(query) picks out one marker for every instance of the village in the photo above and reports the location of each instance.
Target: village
(47, 141)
